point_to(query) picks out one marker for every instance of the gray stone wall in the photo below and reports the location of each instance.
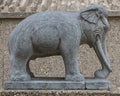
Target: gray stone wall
(54, 67)
(43, 5)
(12, 13)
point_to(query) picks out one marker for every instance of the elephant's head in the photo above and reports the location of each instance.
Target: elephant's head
(95, 25)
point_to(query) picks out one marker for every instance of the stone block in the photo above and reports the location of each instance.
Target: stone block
(97, 84)
(58, 84)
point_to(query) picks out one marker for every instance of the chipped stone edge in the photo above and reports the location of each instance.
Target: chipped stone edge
(21, 15)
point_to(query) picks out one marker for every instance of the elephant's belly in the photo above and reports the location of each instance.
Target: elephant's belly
(45, 54)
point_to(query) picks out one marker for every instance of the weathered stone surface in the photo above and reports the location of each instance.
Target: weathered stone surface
(97, 84)
(57, 93)
(18, 15)
(5, 28)
(45, 42)
(1, 56)
(58, 84)
(44, 85)
(48, 66)
(43, 5)
(114, 13)
(85, 59)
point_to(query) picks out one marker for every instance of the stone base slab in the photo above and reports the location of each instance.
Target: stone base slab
(58, 84)
(57, 93)
(97, 84)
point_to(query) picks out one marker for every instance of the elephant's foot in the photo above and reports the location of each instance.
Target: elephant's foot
(22, 77)
(77, 77)
(101, 73)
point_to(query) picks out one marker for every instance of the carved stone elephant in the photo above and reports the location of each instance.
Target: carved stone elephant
(59, 33)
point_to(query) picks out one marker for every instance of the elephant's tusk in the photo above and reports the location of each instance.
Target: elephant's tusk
(101, 54)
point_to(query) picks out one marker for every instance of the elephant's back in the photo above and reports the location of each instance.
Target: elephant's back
(43, 17)
(46, 17)
(40, 21)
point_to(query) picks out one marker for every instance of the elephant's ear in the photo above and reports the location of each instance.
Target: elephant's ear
(90, 16)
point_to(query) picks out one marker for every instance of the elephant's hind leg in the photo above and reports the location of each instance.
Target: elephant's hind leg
(19, 70)
(28, 70)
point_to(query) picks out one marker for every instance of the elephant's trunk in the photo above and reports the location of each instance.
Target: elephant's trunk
(100, 49)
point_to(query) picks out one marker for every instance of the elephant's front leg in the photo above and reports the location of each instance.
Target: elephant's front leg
(69, 54)
(102, 73)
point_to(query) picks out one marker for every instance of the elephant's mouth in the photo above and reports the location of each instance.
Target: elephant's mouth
(101, 52)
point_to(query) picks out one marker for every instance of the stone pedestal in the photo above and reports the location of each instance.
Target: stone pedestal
(97, 84)
(58, 84)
